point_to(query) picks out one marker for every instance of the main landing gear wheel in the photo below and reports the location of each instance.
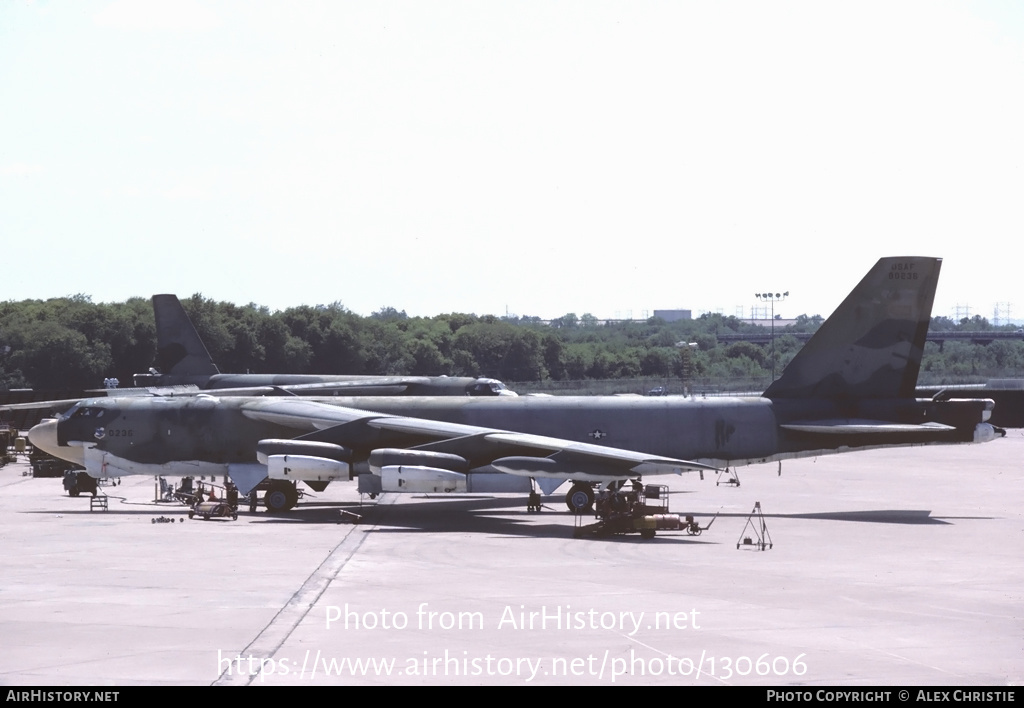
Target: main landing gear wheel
(281, 496)
(580, 498)
(533, 503)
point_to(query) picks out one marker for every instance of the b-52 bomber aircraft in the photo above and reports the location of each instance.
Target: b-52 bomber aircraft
(181, 352)
(851, 387)
(187, 363)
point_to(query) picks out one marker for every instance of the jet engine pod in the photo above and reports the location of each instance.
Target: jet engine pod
(418, 479)
(393, 456)
(306, 468)
(270, 446)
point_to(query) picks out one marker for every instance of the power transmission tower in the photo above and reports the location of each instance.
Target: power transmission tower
(1002, 312)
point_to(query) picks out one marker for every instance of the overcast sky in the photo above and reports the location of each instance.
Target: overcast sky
(535, 158)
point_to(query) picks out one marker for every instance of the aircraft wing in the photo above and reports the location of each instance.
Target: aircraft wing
(393, 385)
(53, 405)
(575, 460)
(61, 404)
(860, 427)
(301, 414)
(379, 385)
(520, 454)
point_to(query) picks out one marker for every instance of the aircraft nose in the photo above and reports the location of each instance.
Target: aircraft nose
(44, 437)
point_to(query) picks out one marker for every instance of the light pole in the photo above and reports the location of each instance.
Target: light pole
(685, 352)
(772, 298)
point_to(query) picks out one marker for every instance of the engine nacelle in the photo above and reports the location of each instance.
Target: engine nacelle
(424, 480)
(398, 457)
(269, 447)
(306, 468)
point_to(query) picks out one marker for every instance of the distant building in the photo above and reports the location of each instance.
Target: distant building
(674, 315)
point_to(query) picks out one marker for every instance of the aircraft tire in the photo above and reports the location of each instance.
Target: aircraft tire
(280, 497)
(73, 492)
(580, 498)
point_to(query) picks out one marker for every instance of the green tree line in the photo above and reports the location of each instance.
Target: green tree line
(72, 342)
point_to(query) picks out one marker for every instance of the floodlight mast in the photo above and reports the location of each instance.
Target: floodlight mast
(772, 298)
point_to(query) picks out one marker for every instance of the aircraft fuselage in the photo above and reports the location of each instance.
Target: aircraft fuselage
(719, 431)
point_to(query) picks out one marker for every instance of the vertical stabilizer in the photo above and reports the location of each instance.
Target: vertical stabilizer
(871, 346)
(179, 350)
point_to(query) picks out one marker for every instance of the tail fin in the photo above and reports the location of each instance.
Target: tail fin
(179, 350)
(871, 346)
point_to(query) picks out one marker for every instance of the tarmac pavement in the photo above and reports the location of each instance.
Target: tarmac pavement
(887, 567)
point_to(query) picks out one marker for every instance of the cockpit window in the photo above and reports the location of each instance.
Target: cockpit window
(487, 387)
(87, 412)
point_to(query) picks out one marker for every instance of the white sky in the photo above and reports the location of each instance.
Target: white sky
(535, 157)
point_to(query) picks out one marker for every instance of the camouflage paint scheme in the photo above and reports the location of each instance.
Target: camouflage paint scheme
(184, 357)
(851, 387)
